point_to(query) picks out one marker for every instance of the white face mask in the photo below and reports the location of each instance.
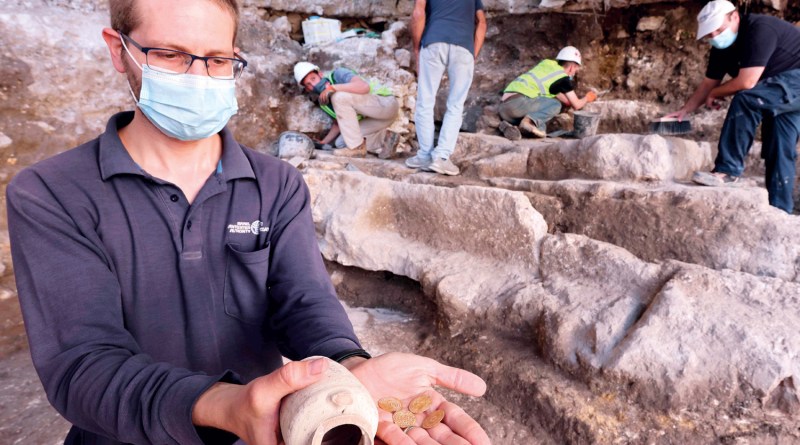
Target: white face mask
(185, 106)
(724, 39)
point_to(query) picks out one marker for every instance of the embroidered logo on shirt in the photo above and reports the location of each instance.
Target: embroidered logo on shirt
(243, 227)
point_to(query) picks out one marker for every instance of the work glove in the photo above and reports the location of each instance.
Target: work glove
(591, 96)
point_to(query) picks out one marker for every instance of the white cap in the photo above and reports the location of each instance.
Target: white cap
(712, 16)
(301, 70)
(569, 54)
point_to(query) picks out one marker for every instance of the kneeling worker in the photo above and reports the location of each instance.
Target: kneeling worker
(359, 109)
(536, 96)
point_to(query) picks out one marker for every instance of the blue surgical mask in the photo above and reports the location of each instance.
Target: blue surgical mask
(320, 86)
(724, 39)
(186, 106)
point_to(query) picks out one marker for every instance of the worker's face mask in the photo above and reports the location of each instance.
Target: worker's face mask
(724, 39)
(320, 86)
(185, 106)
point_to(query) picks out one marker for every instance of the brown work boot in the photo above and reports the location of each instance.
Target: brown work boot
(509, 131)
(358, 152)
(529, 126)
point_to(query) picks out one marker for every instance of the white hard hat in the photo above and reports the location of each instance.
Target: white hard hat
(569, 54)
(301, 70)
(712, 16)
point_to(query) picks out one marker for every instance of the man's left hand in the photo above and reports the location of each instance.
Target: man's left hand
(712, 102)
(406, 376)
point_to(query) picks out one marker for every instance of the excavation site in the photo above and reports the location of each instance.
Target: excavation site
(601, 292)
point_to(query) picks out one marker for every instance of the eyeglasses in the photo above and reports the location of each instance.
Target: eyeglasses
(172, 61)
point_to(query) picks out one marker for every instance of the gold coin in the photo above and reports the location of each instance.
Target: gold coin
(404, 418)
(433, 419)
(390, 404)
(420, 404)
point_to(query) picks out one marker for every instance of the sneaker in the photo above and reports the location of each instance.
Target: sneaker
(714, 179)
(418, 162)
(358, 152)
(509, 131)
(529, 126)
(444, 167)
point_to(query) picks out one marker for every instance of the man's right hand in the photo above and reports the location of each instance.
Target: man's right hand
(325, 95)
(251, 411)
(680, 114)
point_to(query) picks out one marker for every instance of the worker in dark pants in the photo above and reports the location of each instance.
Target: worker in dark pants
(777, 101)
(762, 55)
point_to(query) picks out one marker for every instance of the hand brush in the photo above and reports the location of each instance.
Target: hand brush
(670, 126)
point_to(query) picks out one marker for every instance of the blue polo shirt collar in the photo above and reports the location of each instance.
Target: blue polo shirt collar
(115, 160)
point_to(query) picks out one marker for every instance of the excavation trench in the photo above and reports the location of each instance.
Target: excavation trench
(530, 401)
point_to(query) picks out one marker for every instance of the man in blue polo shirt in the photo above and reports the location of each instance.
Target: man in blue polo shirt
(448, 36)
(761, 54)
(163, 269)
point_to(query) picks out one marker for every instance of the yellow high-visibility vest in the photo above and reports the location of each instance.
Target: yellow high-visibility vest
(538, 80)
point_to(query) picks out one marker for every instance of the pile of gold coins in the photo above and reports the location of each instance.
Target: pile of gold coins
(405, 418)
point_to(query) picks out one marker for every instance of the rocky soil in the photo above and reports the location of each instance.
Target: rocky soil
(603, 297)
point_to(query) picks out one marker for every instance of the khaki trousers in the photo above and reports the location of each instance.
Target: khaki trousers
(379, 112)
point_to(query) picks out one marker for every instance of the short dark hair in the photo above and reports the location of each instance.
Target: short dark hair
(565, 62)
(124, 18)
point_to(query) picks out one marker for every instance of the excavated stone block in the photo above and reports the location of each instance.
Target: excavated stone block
(512, 164)
(596, 292)
(717, 227)
(470, 258)
(712, 337)
(503, 228)
(620, 157)
(303, 116)
(628, 158)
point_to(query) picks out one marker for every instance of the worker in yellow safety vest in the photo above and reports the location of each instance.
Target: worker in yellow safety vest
(536, 96)
(361, 110)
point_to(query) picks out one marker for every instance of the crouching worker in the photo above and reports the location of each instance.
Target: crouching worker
(536, 96)
(761, 54)
(361, 111)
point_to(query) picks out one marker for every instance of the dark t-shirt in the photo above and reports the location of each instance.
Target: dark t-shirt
(763, 41)
(451, 21)
(563, 85)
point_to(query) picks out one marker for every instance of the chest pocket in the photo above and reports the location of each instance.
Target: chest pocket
(246, 273)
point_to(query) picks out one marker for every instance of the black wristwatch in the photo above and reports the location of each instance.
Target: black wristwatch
(341, 356)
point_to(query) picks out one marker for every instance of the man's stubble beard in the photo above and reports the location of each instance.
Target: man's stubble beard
(134, 82)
